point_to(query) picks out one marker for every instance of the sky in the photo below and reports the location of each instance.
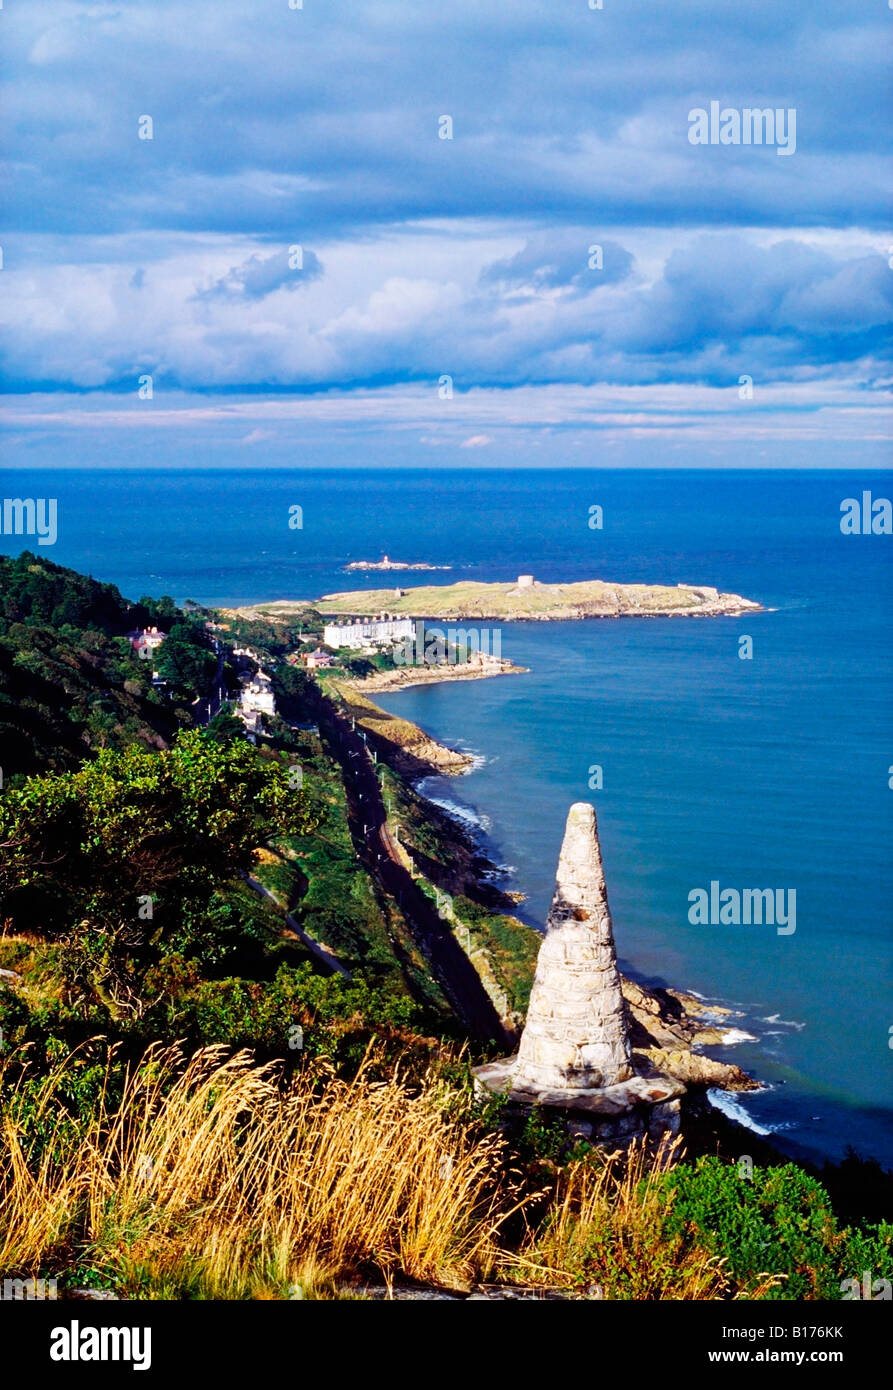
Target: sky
(476, 232)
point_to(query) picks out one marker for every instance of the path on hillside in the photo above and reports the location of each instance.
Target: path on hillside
(368, 823)
(316, 948)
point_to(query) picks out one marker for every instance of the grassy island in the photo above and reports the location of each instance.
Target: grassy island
(531, 601)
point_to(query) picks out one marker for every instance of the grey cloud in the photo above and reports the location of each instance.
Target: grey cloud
(290, 268)
(561, 260)
(559, 110)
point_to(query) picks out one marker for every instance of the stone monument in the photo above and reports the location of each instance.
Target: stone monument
(574, 1052)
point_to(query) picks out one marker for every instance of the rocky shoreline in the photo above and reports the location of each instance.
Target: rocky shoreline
(406, 677)
(402, 744)
(669, 1028)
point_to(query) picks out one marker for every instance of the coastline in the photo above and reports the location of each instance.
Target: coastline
(669, 1026)
(672, 1028)
(408, 678)
(400, 742)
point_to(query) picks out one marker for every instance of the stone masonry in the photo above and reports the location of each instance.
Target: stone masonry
(575, 1053)
(575, 1037)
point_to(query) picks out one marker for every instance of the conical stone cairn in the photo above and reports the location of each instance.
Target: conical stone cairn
(575, 1038)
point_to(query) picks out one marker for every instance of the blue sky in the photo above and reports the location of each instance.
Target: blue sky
(422, 258)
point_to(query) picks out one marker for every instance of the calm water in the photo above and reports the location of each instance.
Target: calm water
(764, 773)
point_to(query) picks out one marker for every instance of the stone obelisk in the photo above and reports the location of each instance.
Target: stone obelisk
(575, 1038)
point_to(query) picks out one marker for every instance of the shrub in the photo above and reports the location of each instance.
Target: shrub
(779, 1222)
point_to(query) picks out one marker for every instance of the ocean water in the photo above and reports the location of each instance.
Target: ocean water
(765, 773)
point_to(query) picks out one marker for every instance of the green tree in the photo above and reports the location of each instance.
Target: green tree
(186, 660)
(114, 856)
(225, 727)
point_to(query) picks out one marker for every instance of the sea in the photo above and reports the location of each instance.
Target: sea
(710, 759)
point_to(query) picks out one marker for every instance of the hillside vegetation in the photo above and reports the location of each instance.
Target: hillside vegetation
(69, 684)
(228, 1066)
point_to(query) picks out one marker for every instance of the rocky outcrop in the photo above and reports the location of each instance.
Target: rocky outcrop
(694, 1069)
(399, 742)
(388, 564)
(666, 1029)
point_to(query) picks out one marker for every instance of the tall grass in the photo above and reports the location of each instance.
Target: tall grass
(605, 1228)
(213, 1178)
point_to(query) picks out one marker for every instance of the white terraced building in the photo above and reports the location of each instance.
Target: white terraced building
(367, 632)
(256, 700)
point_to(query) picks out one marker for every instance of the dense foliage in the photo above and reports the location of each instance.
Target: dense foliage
(124, 856)
(69, 682)
(777, 1220)
(186, 659)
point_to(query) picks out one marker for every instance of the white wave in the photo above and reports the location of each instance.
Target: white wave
(736, 1035)
(785, 1022)
(734, 1110)
(474, 820)
(718, 1015)
(498, 872)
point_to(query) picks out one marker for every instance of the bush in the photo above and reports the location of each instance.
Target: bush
(337, 1017)
(778, 1222)
(14, 1019)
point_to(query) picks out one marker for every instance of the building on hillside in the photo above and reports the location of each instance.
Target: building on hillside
(256, 700)
(383, 629)
(145, 640)
(318, 660)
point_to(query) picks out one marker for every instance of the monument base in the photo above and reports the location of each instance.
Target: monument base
(643, 1106)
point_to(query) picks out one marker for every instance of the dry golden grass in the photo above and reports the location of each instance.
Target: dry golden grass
(214, 1179)
(604, 1227)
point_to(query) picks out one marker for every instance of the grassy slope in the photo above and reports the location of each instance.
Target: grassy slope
(502, 948)
(555, 601)
(321, 882)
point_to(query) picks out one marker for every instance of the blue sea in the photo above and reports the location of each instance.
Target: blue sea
(772, 772)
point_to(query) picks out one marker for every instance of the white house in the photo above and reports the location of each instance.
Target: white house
(145, 641)
(256, 700)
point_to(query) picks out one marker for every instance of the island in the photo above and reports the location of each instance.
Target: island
(528, 599)
(386, 563)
